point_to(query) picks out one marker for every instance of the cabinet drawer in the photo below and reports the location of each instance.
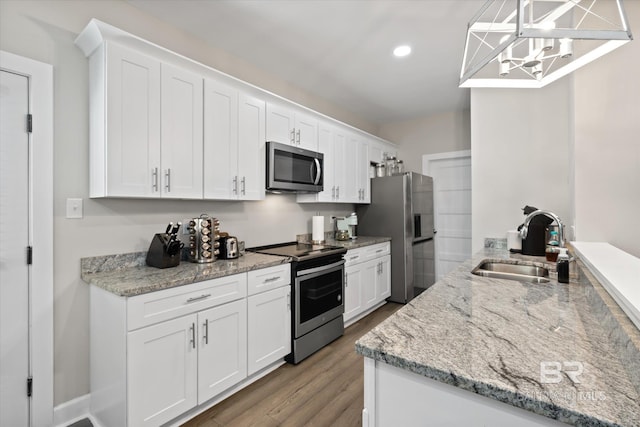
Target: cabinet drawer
(354, 256)
(376, 251)
(158, 306)
(268, 278)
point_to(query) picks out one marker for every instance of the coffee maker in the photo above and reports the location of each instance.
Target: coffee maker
(346, 227)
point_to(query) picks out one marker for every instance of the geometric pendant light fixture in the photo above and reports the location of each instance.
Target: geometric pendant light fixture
(531, 43)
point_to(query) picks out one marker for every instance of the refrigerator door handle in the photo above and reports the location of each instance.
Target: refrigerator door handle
(420, 240)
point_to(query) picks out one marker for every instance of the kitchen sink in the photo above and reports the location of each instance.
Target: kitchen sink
(519, 272)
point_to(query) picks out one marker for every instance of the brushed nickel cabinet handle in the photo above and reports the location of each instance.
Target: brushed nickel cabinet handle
(201, 297)
(193, 335)
(154, 176)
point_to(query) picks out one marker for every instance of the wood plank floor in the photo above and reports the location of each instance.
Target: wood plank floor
(325, 389)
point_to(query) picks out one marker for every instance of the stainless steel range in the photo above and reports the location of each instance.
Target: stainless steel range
(317, 277)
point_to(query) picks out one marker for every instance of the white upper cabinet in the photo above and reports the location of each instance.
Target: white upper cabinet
(148, 141)
(332, 143)
(362, 170)
(181, 133)
(125, 138)
(220, 140)
(164, 126)
(234, 135)
(287, 125)
(251, 148)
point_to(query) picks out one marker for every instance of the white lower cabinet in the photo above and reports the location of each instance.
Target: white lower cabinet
(352, 291)
(162, 367)
(156, 356)
(383, 278)
(222, 345)
(367, 279)
(269, 327)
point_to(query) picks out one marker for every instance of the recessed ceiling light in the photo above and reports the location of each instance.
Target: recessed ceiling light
(401, 51)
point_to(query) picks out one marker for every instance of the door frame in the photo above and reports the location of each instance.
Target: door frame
(426, 170)
(41, 230)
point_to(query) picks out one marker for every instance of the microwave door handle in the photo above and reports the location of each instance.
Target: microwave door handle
(318, 171)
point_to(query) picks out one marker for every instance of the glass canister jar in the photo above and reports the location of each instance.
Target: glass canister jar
(391, 163)
(381, 170)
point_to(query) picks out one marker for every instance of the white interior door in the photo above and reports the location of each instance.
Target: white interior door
(14, 240)
(451, 174)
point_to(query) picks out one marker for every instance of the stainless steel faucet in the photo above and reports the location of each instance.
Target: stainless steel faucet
(525, 228)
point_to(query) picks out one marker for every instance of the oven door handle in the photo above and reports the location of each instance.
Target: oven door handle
(319, 269)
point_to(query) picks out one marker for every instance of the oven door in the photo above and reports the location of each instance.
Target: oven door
(293, 169)
(318, 296)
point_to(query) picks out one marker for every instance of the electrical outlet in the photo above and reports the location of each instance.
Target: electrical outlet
(74, 209)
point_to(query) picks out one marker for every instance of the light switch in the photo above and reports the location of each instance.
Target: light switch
(74, 208)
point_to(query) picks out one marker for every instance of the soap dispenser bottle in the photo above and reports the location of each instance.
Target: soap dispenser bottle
(563, 266)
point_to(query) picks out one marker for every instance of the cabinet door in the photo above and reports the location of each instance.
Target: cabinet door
(162, 365)
(181, 133)
(376, 152)
(340, 164)
(306, 135)
(269, 328)
(350, 192)
(220, 141)
(383, 280)
(280, 124)
(132, 125)
(369, 276)
(362, 167)
(325, 146)
(251, 143)
(222, 357)
(352, 291)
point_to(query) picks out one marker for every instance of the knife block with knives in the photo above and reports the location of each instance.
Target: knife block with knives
(165, 249)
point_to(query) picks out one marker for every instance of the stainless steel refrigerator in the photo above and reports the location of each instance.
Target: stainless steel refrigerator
(402, 208)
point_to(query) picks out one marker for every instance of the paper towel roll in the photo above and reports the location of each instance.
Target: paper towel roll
(514, 241)
(317, 235)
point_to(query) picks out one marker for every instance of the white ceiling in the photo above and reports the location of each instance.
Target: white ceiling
(340, 50)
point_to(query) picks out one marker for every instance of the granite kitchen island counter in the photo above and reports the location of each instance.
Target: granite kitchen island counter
(519, 343)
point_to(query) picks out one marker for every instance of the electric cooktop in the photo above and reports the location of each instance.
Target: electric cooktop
(299, 251)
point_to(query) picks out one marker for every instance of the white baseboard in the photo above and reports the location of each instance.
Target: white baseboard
(72, 411)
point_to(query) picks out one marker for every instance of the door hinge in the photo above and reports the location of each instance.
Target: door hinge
(29, 386)
(29, 123)
(29, 255)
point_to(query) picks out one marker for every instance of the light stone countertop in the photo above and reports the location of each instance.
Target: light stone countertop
(360, 242)
(489, 336)
(127, 275)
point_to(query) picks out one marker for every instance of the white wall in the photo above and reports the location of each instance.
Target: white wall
(45, 31)
(520, 154)
(607, 145)
(593, 117)
(439, 133)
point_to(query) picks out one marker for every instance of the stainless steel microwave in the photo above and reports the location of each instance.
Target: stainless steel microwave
(293, 170)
